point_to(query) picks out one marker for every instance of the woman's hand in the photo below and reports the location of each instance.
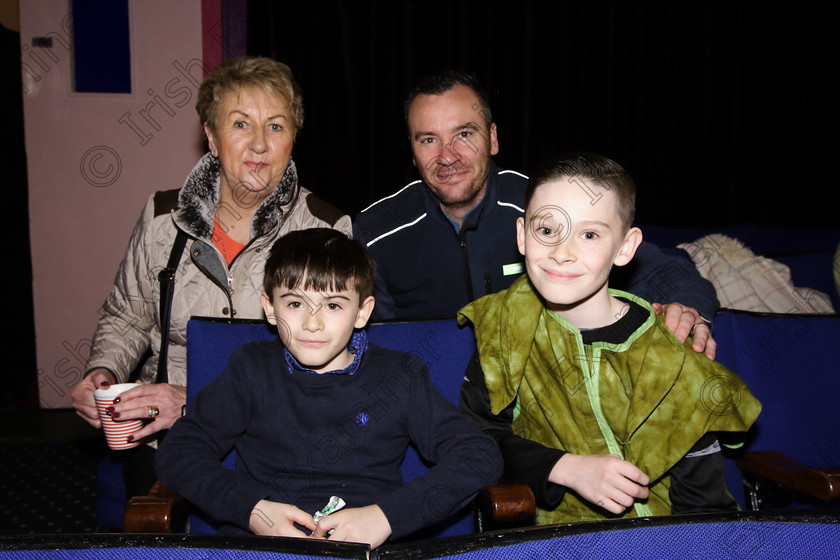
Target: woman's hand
(83, 401)
(136, 404)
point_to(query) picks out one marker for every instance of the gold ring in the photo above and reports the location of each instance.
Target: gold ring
(153, 411)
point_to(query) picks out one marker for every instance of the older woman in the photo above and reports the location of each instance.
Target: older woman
(237, 200)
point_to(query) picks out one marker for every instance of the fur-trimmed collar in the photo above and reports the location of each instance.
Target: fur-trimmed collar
(199, 196)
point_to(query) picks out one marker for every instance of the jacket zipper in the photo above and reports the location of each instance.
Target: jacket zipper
(467, 274)
(228, 289)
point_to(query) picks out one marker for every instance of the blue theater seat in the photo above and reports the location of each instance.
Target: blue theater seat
(110, 494)
(736, 536)
(173, 547)
(790, 364)
(809, 253)
(792, 535)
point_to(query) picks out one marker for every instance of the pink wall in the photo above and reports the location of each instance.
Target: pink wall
(93, 160)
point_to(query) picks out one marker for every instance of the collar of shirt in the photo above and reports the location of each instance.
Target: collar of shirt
(357, 346)
(619, 331)
(472, 217)
(476, 210)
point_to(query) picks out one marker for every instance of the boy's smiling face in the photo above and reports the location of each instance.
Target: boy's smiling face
(571, 236)
(316, 326)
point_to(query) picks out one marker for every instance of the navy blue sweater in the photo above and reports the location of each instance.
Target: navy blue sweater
(301, 438)
(426, 269)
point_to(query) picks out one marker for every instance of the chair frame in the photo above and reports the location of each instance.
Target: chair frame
(772, 479)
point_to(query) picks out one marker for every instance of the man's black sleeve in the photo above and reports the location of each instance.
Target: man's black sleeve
(659, 277)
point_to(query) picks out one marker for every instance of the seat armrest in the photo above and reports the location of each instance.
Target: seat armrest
(504, 504)
(823, 484)
(161, 511)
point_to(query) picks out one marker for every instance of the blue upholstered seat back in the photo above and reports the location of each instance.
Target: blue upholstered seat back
(444, 347)
(790, 363)
(739, 536)
(117, 546)
(736, 536)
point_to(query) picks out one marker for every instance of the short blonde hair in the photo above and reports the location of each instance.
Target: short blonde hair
(273, 77)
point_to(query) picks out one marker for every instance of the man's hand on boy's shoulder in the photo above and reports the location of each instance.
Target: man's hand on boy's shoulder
(366, 524)
(685, 321)
(278, 520)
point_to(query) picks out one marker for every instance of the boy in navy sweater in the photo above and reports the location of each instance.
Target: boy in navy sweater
(323, 413)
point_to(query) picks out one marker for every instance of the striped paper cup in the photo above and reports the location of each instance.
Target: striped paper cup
(116, 432)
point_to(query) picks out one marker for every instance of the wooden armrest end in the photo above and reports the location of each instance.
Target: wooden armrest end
(158, 512)
(820, 483)
(507, 502)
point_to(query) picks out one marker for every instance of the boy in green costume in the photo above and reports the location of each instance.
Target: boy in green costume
(592, 400)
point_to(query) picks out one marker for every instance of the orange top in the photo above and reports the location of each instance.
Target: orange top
(227, 246)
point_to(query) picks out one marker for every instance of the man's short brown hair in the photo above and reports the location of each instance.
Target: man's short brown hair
(440, 83)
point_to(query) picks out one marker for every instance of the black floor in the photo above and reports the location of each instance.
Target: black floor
(48, 461)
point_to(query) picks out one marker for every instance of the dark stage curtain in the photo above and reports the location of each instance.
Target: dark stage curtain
(721, 111)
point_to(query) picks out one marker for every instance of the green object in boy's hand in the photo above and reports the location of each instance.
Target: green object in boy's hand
(332, 506)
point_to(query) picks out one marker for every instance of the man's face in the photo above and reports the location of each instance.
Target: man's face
(452, 146)
(316, 326)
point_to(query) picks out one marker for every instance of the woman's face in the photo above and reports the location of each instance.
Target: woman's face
(253, 140)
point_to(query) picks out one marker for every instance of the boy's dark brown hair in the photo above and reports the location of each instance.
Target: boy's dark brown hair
(599, 171)
(324, 259)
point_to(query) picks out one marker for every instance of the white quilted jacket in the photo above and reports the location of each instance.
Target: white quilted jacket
(129, 325)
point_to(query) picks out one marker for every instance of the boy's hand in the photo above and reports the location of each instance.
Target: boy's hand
(605, 480)
(685, 321)
(277, 520)
(364, 525)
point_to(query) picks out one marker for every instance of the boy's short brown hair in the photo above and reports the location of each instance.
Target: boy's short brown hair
(324, 258)
(595, 168)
